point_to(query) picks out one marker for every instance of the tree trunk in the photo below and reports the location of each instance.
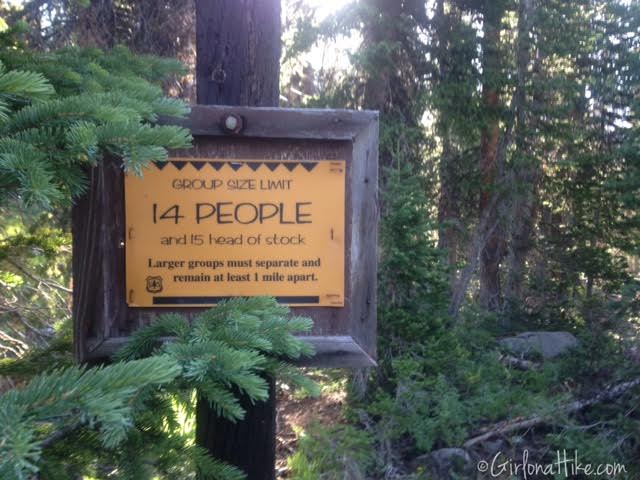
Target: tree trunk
(493, 250)
(527, 167)
(448, 208)
(238, 63)
(449, 202)
(238, 52)
(382, 29)
(249, 443)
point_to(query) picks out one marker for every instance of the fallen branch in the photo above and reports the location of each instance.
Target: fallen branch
(503, 428)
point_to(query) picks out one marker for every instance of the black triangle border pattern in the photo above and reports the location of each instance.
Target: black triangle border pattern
(236, 165)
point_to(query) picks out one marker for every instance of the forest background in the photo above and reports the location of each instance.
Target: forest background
(510, 186)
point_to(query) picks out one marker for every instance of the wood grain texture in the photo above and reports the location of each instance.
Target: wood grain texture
(249, 443)
(238, 52)
(99, 306)
(331, 351)
(364, 238)
(266, 122)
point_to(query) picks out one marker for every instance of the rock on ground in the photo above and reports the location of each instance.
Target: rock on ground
(445, 464)
(547, 344)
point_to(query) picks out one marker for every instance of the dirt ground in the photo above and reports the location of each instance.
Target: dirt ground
(295, 414)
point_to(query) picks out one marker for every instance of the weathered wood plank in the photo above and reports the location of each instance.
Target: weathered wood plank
(331, 351)
(264, 122)
(364, 239)
(86, 223)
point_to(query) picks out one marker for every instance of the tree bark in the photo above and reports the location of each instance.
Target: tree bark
(381, 85)
(527, 168)
(493, 250)
(249, 443)
(238, 63)
(449, 202)
(391, 65)
(383, 28)
(448, 208)
(238, 52)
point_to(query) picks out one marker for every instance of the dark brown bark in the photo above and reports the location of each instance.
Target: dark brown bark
(382, 28)
(521, 243)
(492, 252)
(390, 69)
(488, 245)
(158, 27)
(448, 209)
(238, 52)
(249, 443)
(238, 63)
(527, 167)
(96, 26)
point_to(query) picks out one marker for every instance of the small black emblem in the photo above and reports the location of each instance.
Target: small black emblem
(154, 284)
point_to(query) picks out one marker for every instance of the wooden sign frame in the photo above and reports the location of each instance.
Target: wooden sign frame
(344, 336)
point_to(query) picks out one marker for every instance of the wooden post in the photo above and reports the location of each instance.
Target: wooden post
(238, 52)
(238, 63)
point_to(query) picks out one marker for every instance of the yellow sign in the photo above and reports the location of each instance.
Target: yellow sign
(202, 230)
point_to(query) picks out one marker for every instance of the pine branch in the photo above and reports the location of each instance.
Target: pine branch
(30, 85)
(228, 349)
(65, 400)
(104, 104)
(211, 469)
